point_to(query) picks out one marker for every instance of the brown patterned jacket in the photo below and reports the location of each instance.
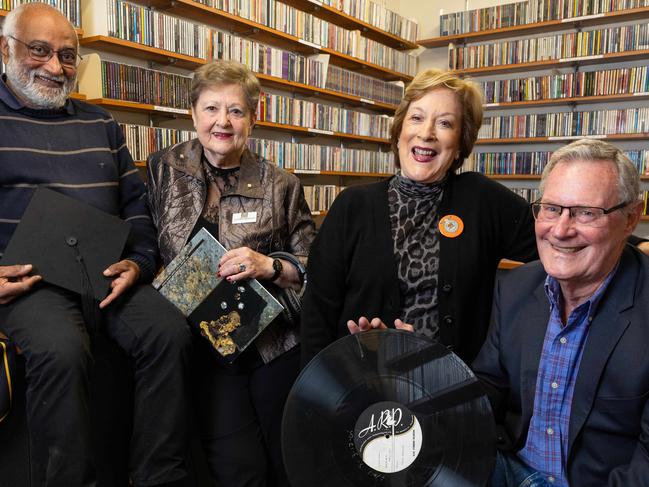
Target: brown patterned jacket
(177, 193)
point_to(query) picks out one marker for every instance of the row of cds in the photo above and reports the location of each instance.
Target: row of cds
(317, 158)
(153, 28)
(645, 198)
(561, 46)
(264, 59)
(320, 197)
(302, 113)
(528, 194)
(142, 140)
(141, 85)
(292, 21)
(156, 29)
(568, 85)
(529, 12)
(532, 163)
(343, 80)
(596, 122)
(70, 8)
(303, 25)
(378, 16)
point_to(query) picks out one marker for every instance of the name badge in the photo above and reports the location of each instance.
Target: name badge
(247, 217)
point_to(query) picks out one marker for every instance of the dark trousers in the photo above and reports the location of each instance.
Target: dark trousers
(240, 413)
(48, 326)
(510, 471)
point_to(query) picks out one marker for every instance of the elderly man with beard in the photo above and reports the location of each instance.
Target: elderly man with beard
(48, 139)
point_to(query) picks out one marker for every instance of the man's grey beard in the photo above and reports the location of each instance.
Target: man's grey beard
(21, 80)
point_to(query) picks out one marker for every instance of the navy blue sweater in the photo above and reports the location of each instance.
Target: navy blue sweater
(79, 151)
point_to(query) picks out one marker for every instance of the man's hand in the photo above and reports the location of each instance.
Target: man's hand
(376, 324)
(14, 281)
(126, 273)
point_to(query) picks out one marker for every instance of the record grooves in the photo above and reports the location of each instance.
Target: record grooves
(387, 409)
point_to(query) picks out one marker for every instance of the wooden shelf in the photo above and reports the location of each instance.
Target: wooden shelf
(160, 56)
(644, 218)
(282, 84)
(521, 177)
(534, 177)
(78, 96)
(539, 27)
(309, 172)
(531, 140)
(342, 19)
(316, 173)
(556, 63)
(218, 18)
(573, 100)
(147, 53)
(316, 132)
(131, 106)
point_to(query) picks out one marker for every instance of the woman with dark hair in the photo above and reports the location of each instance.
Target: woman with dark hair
(421, 249)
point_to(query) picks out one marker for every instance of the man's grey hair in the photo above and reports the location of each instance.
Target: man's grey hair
(628, 181)
(11, 20)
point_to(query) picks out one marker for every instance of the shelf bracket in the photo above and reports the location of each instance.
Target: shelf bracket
(169, 62)
(156, 118)
(164, 8)
(247, 33)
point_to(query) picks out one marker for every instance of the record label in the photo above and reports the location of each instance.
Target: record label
(388, 437)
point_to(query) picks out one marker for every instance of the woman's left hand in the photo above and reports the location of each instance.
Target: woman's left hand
(245, 263)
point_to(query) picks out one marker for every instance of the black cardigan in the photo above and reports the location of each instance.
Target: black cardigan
(352, 270)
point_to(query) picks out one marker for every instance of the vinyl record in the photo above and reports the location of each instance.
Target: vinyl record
(387, 408)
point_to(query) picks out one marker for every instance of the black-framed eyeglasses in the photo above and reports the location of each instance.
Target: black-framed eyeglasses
(585, 215)
(41, 52)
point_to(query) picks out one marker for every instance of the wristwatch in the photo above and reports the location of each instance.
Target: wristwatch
(277, 267)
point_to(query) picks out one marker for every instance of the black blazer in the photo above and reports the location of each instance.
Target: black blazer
(609, 423)
(352, 270)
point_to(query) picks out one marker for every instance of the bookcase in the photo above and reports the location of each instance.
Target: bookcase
(332, 74)
(552, 72)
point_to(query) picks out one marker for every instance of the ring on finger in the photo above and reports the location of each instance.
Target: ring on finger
(242, 267)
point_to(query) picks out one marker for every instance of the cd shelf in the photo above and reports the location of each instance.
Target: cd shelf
(570, 100)
(557, 63)
(342, 19)
(530, 140)
(163, 57)
(633, 14)
(180, 113)
(195, 11)
(314, 132)
(340, 173)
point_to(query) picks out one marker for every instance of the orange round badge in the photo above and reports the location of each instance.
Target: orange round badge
(451, 226)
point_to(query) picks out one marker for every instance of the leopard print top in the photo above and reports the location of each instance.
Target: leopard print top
(413, 209)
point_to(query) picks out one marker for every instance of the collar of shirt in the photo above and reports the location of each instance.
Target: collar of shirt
(12, 101)
(553, 292)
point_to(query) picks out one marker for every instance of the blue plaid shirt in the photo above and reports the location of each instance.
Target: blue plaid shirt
(546, 448)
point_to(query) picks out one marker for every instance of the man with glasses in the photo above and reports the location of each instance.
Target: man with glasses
(565, 362)
(49, 139)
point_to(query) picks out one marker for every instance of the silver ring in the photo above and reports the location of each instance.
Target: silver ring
(242, 267)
